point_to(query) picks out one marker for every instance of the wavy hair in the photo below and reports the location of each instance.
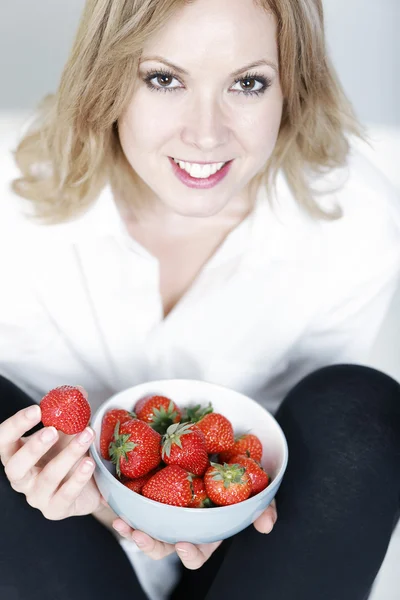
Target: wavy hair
(71, 148)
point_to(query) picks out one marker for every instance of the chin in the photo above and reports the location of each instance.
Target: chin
(198, 209)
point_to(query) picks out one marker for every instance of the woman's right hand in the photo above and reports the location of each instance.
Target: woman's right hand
(50, 473)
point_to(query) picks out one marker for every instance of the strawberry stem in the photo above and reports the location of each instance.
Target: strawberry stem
(120, 447)
(196, 413)
(228, 474)
(162, 418)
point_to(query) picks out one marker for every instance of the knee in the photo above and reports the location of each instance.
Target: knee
(358, 401)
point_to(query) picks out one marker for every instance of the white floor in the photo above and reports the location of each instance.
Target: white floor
(386, 354)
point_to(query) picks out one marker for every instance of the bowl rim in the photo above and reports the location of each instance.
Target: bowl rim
(253, 499)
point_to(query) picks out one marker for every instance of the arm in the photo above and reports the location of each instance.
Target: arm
(106, 516)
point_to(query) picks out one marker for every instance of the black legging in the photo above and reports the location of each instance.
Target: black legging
(337, 506)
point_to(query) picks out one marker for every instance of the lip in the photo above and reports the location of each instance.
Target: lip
(202, 184)
(200, 162)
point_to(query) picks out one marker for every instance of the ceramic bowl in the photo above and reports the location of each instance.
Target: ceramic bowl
(174, 524)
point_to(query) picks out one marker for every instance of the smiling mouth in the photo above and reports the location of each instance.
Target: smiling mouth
(199, 170)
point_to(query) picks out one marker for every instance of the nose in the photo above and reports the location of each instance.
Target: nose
(205, 125)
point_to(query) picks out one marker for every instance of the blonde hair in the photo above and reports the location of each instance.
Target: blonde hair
(72, 147)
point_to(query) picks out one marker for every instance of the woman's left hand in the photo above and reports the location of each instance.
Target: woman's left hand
(192, 556)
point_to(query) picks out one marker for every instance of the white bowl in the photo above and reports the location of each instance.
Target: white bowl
(174, 524)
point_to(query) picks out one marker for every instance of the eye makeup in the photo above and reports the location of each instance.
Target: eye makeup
(162, 73)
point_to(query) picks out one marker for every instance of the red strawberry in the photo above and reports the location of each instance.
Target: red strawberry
(159, 411)
(66, 408)
(171, 485)
(136, 485)
(108, 426)
(135, 449)
(200, 498)
(227, 484)
(185, 445)
(259, 478)
(218, 432)
(247, 444)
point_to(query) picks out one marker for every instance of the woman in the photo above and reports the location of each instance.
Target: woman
(269, 271)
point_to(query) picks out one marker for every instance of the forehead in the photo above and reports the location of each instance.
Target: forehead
(206, 33)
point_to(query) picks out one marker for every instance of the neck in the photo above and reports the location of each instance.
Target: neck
(151, 213)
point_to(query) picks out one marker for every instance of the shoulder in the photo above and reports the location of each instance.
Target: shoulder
(368, 230)
(368, 233)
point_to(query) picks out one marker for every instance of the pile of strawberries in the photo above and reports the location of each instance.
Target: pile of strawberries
(189, 459)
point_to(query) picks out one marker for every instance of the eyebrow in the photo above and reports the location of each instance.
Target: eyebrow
(258, 63)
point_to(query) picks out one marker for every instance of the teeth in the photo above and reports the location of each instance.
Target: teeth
(199, 171)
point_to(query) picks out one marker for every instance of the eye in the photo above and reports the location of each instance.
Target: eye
(161, 80)
(252, 84)
(248, 85)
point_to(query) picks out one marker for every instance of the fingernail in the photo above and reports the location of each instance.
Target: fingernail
(87, 466)
(182, 551)
(85, 436)
(48, 434)
(138, 542)
(32, 412)
(120, 528)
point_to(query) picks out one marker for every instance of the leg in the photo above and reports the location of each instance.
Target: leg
(75, 558)
(338, 502)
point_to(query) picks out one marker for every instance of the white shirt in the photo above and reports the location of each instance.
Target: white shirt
(281, 297)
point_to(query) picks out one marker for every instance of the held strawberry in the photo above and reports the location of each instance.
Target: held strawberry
(108, 426)
(135, 449)
(171, 485)
(247, 444)
(259, 478)
(185, 445)
(158, 411)
(227, 484)
(66, 408)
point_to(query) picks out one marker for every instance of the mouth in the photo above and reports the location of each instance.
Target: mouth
(199, 170)
(199, 175)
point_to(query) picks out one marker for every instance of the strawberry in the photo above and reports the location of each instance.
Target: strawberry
(158, 411)
(259, 478)
(185, 445)
(227, 484)
(200, 498)
(66, 408)
(218, 432)
(135, 449)
(108, 425)
(171, 485)
(137, 484)
(247, 444)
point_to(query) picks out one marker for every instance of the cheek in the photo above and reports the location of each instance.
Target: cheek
(260, 130)
(147, 123)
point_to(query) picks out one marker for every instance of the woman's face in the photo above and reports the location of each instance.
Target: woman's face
(212, 109)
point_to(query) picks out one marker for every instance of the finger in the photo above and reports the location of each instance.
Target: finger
(151, 547)
(265, 522)
(63, 501)
(123, 528)
(20, 468)
(12, 429)
(194, 557)
(82, 389)
(53, 474)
